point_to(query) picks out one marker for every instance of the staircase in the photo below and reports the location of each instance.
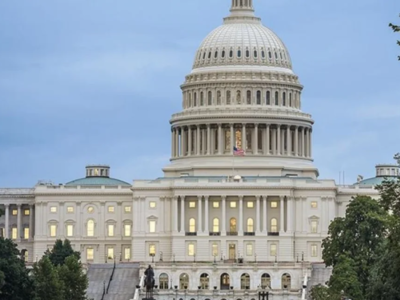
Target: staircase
(98, 277)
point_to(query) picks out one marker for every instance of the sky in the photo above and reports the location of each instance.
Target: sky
(96, 81)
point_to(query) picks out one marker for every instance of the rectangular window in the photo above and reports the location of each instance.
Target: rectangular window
(274, 204)
(53, 209)
(127, 253)
(14, 212)
(153, 204)
(232, 204)
(127, 230)
(191, 249)
(70, 209)
(250, 204)
(111, 209)
(27, 212)
(26, 233)
(70, 230)
(215, 249)
(314, 204)
(127, 209)
(110, 253)
(314, 251)
(215, 204)
(89, 254)
(273, 250)
(249, 250)
(192, 204)
(314, 226)
(14, 232)
(53, 230)
(152, 226)
(152, 249)
(110, 229)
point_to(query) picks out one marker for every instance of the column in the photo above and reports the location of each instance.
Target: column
(19, 222)
(198, 140)
(172, 142)
(258, 214)
(182, 214)
(244, 141)
(233, 138)
(310, 143)
(303, 133)
(288, 141)
(296, 141)
(7, 225)
(278, 133)
(289, 215)
(267, 139)
(199, 216)
(208, 139)
(176, 142)
(273, 141)
(206, 215)
(240, 231)
(183, 142)
(189, 141)
(255, 150)
(282, 210)
(31, 235)
(220, 139)
(175, 212)
(203, 142)
(223, 224)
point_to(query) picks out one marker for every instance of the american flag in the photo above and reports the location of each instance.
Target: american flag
(238, 152)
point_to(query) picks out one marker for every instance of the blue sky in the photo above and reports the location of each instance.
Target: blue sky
(96, 81)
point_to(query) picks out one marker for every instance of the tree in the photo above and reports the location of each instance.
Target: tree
(75, 281)
(17, 285)
(395, 28)
(47, 283)
(60, 252)
(353, 243)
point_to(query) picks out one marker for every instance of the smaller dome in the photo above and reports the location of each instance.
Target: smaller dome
(374, 181)
(97, 175)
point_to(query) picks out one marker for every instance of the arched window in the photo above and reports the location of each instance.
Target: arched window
(265, 281)
(204, 281)
(290, 99)
(195, 99)
(228, 97)
(247, 53)
(209, 98)
(276, 98)
(250, 225)
(286, 281)
(276, 55)
(270, 54)
(184, 281)
(238, 97)
(216, 54)
(263, 54)
(255, 53)
(201, 99)
(219, 98)
(232, 225)
(245, 281)
(163, 280)
(258, 97)
(190, 99)
(223, 54)
(225, 281)
(231, 53)
(248, 97)
(192, 225)
(209, 54)
(90, 228)
(215, 225)
(284, 99)
(204, 55)
(274, 225)
(268, 98)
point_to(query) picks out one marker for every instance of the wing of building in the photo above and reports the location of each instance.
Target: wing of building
(240, 207)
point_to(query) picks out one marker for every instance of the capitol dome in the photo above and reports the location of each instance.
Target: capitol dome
(242, 41)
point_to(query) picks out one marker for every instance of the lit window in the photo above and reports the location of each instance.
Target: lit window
(215, 249)
(152, 249)
(250, 225)
(53, 209)
(152, 204)
(111, 209)
(250, 204)
(110, 253)
(127, 253)
(314, 251)
(232, 204)
(215, 204)
(216, 225)
(314, 204)
(2, 232)
(127, 209)
(273, 250)
(26, 233)
(70, 209)
(274, 225)
(152, 226)
(110, 230)
(27, 212)
(90, 228)
(90, 209)
(70, 230)
(191, 249)
(192, 204)
(127, 230)
(274, 204)
(53, 230)
(192, 225)
(249, 250)
(314, 226)
(14, 232)
(89, 254)
(14, 212)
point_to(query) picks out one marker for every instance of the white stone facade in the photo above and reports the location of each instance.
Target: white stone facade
(216, 226)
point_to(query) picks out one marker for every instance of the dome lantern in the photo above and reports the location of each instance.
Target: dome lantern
(242, 6)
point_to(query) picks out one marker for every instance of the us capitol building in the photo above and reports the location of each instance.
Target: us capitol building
(218, 225)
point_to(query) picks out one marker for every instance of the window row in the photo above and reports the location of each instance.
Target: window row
(89, 209)
(14, 233)
(25, 212)
(277, 98)
(90, 229)
(233, 204)
(110, 253)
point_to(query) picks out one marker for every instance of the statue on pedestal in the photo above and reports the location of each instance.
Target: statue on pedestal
(149, 282)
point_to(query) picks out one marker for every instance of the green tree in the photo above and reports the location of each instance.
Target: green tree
(354, 242)
(61, 250)
(47, 283)
(16, 283)
(74, 279)
(396, 28)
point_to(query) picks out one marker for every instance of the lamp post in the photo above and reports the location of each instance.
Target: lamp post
(152, 257)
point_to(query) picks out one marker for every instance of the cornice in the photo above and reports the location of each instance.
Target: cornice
(82, 193)
(232, 187)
